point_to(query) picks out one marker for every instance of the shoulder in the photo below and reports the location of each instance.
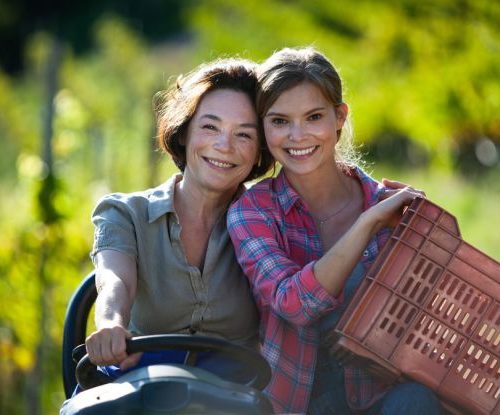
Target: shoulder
(255, 205)
(124, 201)
(141, 203)
(364, 177)
(260, 196)
(371, 187)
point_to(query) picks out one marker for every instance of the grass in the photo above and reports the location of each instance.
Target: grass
(475, 204)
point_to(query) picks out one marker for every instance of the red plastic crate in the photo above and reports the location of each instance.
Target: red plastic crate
(429, 310)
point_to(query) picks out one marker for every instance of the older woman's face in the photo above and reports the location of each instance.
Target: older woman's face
(222, 141)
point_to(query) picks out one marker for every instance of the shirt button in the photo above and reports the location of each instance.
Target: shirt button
(366, 252)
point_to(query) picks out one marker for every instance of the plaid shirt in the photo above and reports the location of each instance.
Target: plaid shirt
(277, 244)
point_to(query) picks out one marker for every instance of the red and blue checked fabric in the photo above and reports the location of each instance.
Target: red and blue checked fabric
(277, 244)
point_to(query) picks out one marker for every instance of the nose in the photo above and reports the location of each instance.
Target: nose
(296, 132)
(224, 142)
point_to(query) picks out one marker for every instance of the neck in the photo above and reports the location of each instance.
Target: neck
(197, 205)
(324, 192)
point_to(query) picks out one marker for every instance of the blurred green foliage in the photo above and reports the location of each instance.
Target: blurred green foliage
(421, 79)
(424, 70)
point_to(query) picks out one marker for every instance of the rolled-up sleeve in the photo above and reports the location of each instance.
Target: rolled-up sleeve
(290, 290)
(114, 227)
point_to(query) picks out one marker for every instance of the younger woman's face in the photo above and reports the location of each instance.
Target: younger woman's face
(301, 129)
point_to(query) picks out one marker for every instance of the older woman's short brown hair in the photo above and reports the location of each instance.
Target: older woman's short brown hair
(176, 107)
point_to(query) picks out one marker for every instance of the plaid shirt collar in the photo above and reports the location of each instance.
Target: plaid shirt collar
(288, 197)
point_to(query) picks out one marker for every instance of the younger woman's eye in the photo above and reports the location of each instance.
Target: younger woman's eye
(278, 121)
(315, 117)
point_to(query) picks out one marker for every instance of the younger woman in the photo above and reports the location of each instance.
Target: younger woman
(306, 238)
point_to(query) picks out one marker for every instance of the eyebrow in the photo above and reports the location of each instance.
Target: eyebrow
(279, 114)
(216, 118)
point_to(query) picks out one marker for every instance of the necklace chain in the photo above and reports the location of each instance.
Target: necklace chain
(321, 222)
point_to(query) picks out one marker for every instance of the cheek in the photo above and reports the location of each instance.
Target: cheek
(272, 136)
(249, 152)
(253, 153)
(324, 130)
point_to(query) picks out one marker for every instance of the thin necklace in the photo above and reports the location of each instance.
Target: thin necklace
(321, 222)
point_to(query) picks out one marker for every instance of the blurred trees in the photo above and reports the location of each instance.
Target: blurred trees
(73, 23)
(421, 78)
(102, 136)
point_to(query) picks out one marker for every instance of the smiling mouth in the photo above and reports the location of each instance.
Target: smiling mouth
(301, 151)
(220, 164)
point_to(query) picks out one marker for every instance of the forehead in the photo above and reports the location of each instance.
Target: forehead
(226, 103)
(304, 94)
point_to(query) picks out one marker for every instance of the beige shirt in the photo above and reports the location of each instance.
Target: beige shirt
(173, 296)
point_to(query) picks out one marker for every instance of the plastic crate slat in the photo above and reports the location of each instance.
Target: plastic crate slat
(396, 265)
(472, 276)
(482, 262)
(428, 351)
(475, 372)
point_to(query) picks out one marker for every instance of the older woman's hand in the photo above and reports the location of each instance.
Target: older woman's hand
(107, 347)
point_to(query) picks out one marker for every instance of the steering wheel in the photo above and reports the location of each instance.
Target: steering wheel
(88, 376)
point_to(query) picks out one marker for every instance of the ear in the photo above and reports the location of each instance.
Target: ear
(341, 112)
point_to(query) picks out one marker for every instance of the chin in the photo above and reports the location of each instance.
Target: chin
(220, 187)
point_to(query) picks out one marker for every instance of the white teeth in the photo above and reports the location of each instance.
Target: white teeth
(220, 163)
(301, 152)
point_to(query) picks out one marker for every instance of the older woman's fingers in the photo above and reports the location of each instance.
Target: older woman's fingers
(118, 346)
(130, 361)
(107, 346)
(93, 349)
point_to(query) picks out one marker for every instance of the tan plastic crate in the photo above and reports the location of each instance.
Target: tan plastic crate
(429, 310)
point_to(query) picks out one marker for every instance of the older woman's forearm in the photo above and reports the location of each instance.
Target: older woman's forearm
(113, 302)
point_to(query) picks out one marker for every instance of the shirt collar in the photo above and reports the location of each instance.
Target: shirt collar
(288, 197)
(372, 189)
(286, 194)
(161, 199)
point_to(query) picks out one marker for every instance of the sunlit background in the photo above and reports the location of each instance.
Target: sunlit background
(76, 82)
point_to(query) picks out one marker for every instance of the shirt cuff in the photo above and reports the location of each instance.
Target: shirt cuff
(314, 289)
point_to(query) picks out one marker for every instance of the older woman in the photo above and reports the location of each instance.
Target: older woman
(164, 261)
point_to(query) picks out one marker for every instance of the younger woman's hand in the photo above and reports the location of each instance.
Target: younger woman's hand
(392, 186)
(387, 213)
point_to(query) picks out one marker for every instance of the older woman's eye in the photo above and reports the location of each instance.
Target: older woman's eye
(244, 135)
(315, 117)
(209, 127)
